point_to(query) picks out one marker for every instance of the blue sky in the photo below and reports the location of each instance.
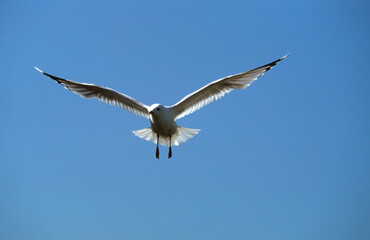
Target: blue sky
(286, 158)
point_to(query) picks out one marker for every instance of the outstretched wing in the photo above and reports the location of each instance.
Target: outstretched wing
(104, 94)
(217, 89)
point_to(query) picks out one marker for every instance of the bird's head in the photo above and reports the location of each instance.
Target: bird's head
(155, 108)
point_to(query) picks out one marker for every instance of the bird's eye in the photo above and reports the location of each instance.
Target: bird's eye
(157, 109)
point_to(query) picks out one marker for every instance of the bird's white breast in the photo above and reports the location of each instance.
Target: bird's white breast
(163, 122)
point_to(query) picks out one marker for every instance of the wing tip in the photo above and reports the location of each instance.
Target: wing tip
(49, 75)
(286, 55)
(38, 70)
(276, 62)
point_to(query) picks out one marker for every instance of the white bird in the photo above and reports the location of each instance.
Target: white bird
(163, 127)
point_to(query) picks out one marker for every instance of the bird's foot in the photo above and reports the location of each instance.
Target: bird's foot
(170, 153)
(157, 153)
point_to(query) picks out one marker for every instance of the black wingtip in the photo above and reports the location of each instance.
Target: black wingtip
(49, 75)
(281, 59)
(270, 65)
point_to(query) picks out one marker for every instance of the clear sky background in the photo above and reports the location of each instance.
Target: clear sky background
(287, 158)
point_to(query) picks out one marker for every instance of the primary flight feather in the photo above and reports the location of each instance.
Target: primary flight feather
(164, 129)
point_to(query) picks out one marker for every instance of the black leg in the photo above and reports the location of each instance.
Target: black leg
(157, 151)
(170, 150)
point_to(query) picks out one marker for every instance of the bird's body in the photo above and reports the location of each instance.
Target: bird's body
(163, 127)
(162, 120)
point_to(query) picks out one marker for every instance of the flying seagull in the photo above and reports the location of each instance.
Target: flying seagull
(163, 127)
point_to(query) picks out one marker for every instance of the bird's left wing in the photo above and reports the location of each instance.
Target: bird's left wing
(217, 89)
(104, 94)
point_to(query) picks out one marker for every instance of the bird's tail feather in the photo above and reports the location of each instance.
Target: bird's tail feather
(180, 136)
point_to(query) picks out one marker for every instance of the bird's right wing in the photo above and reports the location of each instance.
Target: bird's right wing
(217, 89)
(104, 94)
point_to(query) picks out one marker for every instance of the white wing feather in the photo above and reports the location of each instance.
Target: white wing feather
(217, 89)
(104, 94)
